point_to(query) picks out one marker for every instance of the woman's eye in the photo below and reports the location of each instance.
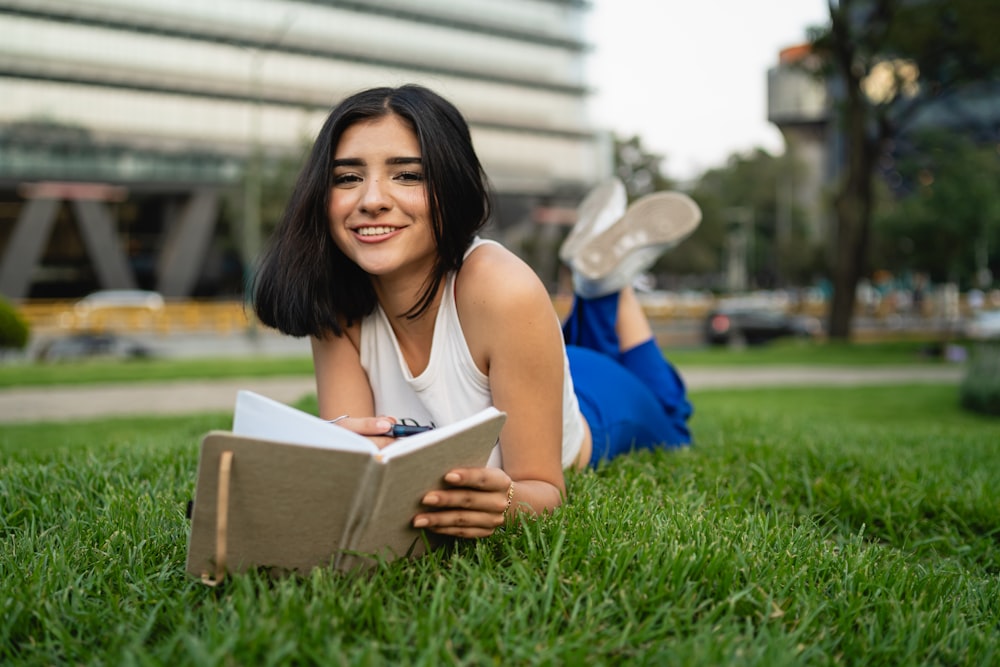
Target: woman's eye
(345, 179)
(410, 176)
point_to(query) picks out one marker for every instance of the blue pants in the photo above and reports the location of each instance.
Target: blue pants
(633, 399)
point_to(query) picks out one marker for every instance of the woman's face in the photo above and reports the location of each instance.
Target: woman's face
(379, 216)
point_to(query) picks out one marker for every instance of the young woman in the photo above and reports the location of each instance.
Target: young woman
(411, 315)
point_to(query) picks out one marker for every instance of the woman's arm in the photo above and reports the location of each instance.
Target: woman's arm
(515, 339)
(342, 386)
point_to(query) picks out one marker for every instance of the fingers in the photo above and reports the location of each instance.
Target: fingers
(366, 425)
(460, 523)
(474, 506)
(483, 479)
(492, 502)
(374, 428)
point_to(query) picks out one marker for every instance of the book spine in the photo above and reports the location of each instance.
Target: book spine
(360, 512)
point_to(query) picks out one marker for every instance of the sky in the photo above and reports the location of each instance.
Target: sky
(690, 76)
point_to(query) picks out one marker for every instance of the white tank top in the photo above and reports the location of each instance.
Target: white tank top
(451, 387)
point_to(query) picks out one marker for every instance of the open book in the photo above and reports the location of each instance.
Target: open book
(289, 491)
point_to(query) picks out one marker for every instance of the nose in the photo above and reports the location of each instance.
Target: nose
(374, 200)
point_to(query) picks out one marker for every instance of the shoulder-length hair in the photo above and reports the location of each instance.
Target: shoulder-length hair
(305, 285)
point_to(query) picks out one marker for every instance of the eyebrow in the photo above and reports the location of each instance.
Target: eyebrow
(358, 162)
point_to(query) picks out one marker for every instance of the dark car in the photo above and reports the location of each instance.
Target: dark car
(756, 325)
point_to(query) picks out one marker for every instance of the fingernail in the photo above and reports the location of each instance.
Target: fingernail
(419, 522)
(383, 425)
(431, 500)
(452, 477)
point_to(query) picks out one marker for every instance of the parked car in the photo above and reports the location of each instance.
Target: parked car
(756, 325)
(120, 298)
(92, 344)
(984, 325)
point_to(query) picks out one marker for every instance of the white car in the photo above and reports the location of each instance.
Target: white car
(984, 325)
(120, 298)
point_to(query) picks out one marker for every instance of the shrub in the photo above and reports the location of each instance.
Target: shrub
(13, 327)
(980, 389)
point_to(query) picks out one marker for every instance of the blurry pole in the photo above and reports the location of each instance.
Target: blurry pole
(736, 270)
(739, 243)
(783, 227)
(984, 277)
(252, 176)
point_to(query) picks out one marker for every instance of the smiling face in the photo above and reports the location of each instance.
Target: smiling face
(378, 211)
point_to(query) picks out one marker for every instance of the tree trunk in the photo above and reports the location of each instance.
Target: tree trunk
(853, 208)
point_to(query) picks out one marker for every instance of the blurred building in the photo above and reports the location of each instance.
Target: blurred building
(132, 131)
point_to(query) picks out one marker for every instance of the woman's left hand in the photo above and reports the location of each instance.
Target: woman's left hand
(474, 505)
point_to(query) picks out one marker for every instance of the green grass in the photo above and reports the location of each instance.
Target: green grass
(828, 526)
(780, 352)
(150, 370)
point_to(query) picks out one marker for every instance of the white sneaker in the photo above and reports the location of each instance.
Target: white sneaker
(611, 260)
(600, 209)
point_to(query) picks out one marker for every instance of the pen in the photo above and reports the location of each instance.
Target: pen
(403, 430)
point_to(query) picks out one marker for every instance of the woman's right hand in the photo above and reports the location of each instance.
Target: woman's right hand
(374, 428)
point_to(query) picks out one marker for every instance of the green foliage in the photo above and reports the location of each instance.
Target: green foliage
(950, 41)
(953, 209)
(980, 389)
(13, 327)
(781, 250)
(857, 528)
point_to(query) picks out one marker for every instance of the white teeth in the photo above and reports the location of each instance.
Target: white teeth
(374, 231)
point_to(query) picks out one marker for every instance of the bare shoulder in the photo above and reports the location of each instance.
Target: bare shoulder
(495, 281)
(504, 308)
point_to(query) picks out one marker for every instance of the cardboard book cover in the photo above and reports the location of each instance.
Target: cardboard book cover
(287, 491)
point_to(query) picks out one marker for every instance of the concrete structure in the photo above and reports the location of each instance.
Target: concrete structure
(799, 105)
(126, 125)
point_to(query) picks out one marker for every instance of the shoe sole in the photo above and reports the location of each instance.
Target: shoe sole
(599, 209)
(661, 219)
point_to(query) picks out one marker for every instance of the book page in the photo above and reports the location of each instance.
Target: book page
(262, 418)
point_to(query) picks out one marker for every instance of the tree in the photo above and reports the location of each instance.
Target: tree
(887, 59)
(747, 190)
(950, 215)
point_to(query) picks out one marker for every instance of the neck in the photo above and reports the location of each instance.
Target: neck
(398, 297)
(414, 335)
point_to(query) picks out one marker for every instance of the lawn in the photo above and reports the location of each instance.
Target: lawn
(828, 526)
